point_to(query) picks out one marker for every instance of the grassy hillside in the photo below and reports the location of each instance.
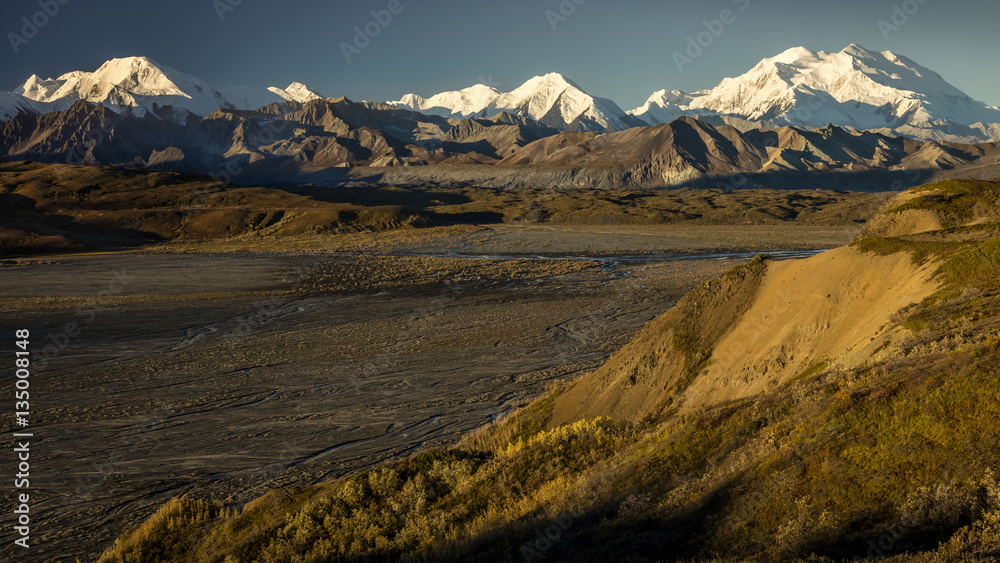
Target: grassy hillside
(884, 445)
(51, 207)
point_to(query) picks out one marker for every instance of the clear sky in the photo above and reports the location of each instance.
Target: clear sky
(621, 49)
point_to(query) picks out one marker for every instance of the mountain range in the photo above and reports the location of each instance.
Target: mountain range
(856, 88)
(139, 85)
(551, 99)
(799, 112)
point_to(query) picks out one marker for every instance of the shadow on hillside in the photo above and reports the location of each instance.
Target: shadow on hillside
(625, 529)
(623, 178)
(413, 201)
(83, 233)
(836, 180)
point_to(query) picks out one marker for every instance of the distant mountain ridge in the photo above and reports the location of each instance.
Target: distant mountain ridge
(291, 135)
(135, 112)
(341, 142)
(551, 99)
(866, 90)
(855, 88)
(140, 85)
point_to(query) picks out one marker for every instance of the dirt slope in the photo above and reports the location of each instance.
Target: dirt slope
(765, 324)
(649, 371)
(903, 223)
(948, 204)
(835, 308)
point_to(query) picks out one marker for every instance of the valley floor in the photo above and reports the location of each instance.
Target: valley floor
(222, 372)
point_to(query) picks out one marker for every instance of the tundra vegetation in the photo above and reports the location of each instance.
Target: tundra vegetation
(894, 457)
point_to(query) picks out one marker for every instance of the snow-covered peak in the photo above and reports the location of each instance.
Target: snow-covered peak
(856, 50)
(663, 106)
(140, 84)
(297, 92)
(458, 103)
(550, 81)
(669, 97)
(130, 83)
(855, 87)
(540, 94)
(550, 98)
(796, 56)
(13, 103)
(144, 76)
(37, 88)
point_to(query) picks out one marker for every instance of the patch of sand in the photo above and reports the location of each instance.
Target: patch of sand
(909, 222)
(764, 326)
(903, 223)
(833, 307)
(643, 375)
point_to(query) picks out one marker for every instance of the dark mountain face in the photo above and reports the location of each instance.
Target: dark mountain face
(688, 149)
(318, 134)
(294, 142)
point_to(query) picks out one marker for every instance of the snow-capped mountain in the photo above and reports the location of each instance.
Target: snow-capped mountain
(139, 85)
(664, 106)
(458, 104)
(855, 87)
(551, 99)
(297, 92)
(12, 104)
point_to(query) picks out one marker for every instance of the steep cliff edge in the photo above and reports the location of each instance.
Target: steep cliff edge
(766, 323)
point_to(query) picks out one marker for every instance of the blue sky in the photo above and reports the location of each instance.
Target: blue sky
(620, 49)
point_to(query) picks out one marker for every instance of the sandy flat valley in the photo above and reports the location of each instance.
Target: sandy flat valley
(217, 371)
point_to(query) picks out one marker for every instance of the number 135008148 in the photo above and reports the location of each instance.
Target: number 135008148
(22, 410)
